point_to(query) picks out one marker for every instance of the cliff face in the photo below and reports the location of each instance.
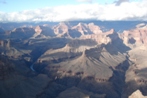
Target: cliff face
(137, 94)
(61, 29)
(135, 36)
(5, 44)
(94, 28)
(44, 30)
(102, 37)
(22, 33)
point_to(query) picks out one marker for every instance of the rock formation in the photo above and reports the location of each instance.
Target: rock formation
(22, 32)
(45, 30)
(137, 94)
(135, 36)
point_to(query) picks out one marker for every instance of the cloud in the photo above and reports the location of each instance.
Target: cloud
(125, 11)
(89, 1)
(118, 2)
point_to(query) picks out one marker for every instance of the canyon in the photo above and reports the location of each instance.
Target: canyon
(73, 60)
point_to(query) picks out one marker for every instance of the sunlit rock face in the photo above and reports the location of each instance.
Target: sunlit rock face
(102, 37)
(44, 30)
(61, 29)
(136, 36)
(137, 94)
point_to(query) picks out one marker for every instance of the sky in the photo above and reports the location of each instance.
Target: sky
(66, 10)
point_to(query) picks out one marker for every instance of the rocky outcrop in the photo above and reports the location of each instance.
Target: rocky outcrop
(136, 73)
(137, 36)
(71, 49)
(84, 66)
(102, 37)
(5, 44)
(22, 33)
(94, 28)
(44, 30)
(95, 62)
(38, 30)
(75, 92)
(61, 29)
(137, 94)
(82, 28)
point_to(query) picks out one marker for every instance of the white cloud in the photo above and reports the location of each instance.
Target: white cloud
(125, 11)
(118, 2)
(90, 1)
